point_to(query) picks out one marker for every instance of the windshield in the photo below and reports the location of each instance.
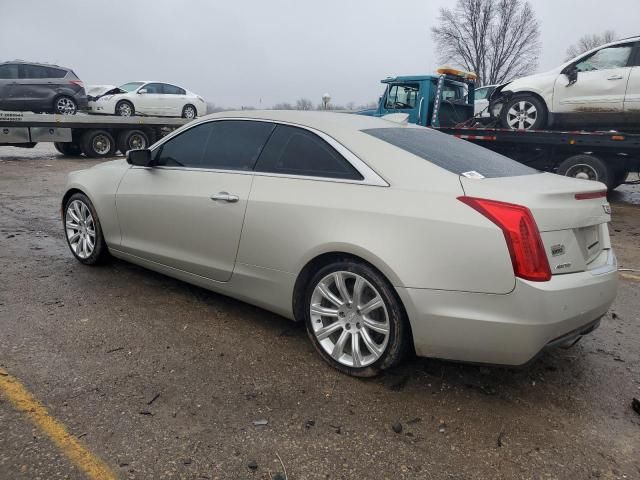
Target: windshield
(130, 87)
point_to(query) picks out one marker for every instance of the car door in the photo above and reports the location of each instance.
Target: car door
(187, 211)
(600, 85)
(8, 81)
(174, 99)
(632, 96)
(150, 99)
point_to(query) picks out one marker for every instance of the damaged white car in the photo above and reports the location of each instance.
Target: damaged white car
(145, 98)
(599, 89)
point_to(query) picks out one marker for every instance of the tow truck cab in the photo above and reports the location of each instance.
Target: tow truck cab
(442, 100)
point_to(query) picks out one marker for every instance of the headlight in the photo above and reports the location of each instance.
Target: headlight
(495, 109)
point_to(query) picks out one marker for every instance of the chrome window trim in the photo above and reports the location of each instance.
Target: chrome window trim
(370, 176)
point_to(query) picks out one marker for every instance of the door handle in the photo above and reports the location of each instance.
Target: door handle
(224, 197)
(615, 77)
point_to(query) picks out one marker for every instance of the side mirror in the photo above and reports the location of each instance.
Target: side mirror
(141, 91)
(139, 157)
(571, 71)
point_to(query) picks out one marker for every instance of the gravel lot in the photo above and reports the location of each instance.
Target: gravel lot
(164, 380)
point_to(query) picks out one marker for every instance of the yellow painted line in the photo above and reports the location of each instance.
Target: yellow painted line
(629, 276)
(23, 401)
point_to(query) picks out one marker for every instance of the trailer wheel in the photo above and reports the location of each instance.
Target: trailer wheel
(588, 167)
(68, 148)
(98, 144)
(132, 140)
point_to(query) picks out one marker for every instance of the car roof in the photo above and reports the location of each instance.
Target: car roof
(23, 62)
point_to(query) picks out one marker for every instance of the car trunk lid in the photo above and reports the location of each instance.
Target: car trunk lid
(571, 214)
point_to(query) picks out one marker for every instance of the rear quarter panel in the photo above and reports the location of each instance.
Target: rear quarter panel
(417, 239)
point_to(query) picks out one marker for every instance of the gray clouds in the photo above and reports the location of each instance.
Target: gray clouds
(263, 52)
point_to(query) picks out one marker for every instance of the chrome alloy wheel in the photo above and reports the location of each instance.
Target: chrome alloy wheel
(522, 115)
(189, 112)
(349, 319)
(65, 106)
(125, 110)
(137, 141)
(80, 228)
(582, 171)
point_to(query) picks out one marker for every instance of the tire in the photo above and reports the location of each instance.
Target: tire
(125, 108)
(588, 167)
(348, 321)
(98, 144)
(620, 178)
(78, 221)
(189, 111)
(132, 139)
(533, 118)
(64, 105)
(68, 148)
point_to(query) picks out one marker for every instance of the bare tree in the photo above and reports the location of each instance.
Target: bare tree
(304, 104)
(283, 106)
(497, 39)
(589, 42)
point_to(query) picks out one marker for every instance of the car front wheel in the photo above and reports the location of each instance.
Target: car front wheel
(83, 230)
(125, 109)
(524, 112)
(354, 319)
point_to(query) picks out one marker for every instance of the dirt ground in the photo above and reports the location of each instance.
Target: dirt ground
(164, 380)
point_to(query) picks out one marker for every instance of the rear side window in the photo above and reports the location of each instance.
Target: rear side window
(33, 71)
(295, 151)
(453, 154)
(224, 145)
(173, 90)
(56, 73)
(9, 71)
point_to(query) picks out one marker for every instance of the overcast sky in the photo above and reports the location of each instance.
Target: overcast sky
(260, 52)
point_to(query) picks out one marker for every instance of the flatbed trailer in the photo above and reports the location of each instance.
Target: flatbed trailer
(95, 136)
(608, 157)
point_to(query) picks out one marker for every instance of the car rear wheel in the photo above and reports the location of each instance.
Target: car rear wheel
(125, 109)
(588, 167)
(65, 106)
(189, 111)
(83, 230)
(354, 319)
(98, 144)
(524, 112)
(132, 140)
(68, 148)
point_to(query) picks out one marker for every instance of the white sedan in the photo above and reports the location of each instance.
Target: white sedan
(378, 236)
(146, 98)
(599, 89)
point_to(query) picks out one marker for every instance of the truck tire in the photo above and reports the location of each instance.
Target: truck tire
(588, 167)
(524, 112)
(98, 144)
(131, 140)
(620, 178)
(68, 148)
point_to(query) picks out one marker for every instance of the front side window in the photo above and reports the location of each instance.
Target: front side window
(402, 96)
(606, 58)
(222, 145)
(295, 151)
(481, 93)
(153, 88)
(9, 71)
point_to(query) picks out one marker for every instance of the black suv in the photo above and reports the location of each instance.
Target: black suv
(36, 87)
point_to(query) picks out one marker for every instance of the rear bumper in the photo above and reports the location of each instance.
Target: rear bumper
(509, 329)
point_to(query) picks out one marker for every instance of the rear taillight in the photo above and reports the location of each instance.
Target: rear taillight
(77, 82)
(521, 233)
(590, 195)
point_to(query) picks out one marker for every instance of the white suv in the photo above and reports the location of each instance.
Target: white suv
(599, 89)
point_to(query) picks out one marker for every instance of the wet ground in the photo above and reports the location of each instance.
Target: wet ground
(164, 380)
